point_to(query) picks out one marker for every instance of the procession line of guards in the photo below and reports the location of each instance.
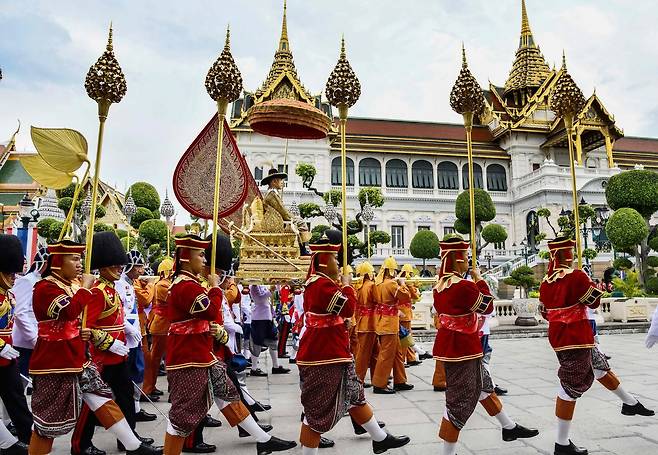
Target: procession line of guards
(89, 362)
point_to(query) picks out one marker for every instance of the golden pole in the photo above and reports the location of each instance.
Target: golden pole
(221, 113)
(168, 240)
(568, 122)
(103, 110)
(369, 241)
(342, 113)
(285, 164)
(468, 125)
(76, 195)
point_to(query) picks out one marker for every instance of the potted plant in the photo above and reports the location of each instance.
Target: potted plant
(525, 307)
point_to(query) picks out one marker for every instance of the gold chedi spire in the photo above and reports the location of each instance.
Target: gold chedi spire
(529, 69)
(567, 100)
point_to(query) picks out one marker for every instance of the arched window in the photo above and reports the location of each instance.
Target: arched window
(448, 176)
(477, 175)
(496, 178)
(370, 172)
(396, 174)
(336, 172)
(422, 174)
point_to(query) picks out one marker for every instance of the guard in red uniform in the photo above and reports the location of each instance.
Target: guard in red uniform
(330, 387)
(460, 304)
(565, 294)
(105, 317)
(195, 375)
(11, 386)
(63, 376)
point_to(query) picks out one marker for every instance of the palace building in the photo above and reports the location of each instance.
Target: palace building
(520, 151)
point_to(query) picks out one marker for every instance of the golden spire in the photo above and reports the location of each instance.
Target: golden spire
(526, 33)
(283, 41)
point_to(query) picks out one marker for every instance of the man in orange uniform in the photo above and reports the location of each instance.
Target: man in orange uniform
(565, 294)
(406, 306)
(63, 376)
(459, 304)
(366, 356)
(145, 293)
(330, 388)
(158, 328)
(196, 376)
(391, 293)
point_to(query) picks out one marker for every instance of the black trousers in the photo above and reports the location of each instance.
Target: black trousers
(13, 396)
(118, 378)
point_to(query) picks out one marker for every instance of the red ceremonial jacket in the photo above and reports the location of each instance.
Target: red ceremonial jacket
(326, 339)
(190, 309)
(459, 304)
(59, 347)
(105, 314)
(564, 295)
(7, 305)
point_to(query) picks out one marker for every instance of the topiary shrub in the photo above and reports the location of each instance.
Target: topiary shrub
(145, 195)
(522, 277)
(626, 228)
(375, 196)
(317, 232)
(335, 196)
(309, 210)
(44, 225)
(652, 261)
(102, 227)
(425, 245)
(153, 231)
(636, 189)
(484, 206)
(651, 285)
(494, 233)
(69, 191)
(142, 214)
(622, 264)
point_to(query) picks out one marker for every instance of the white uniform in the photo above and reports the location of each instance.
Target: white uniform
(126, 291)
(24, 333)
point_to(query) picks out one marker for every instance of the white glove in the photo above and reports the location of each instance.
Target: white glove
(9, 353)
(649, 341)
(287, 318)
(134, 337)
(118, 347)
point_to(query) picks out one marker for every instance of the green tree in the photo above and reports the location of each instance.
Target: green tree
(378, 238)
(629, 286)
(145, 195)
(622, 264)
(128, 243)
(309, 210)
(307, 173)
(102, 227)
(43, 227)
(335, 196)
(317, 232)
(627, 229)
(69, 191)
(375, 196)
(54, 231)
(522, 277)
(142, 214)
(153, 231)
(425, 245)
(485, 210)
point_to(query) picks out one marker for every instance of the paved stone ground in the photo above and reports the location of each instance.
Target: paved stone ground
(525, 366)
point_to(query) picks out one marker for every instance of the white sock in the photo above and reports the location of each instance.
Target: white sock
(6, 438)
(563, 427)
(483, 396)
(309, 450)
(275, 358)
(123, 433)
(254, 362)
(250, 426)
(625, 397)
(138, 407)
(449, 448)
(419, 350)
(504, 420)
(372, 427)
(247, 397)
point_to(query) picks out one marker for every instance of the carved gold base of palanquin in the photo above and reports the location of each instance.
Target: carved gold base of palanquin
(260, 264)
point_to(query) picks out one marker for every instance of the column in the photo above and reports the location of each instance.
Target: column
(608, 147)
(579, 147)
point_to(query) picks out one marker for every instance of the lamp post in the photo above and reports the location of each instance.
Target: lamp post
(488, 257)
(367, 215)
(27, 213)
(524, 245)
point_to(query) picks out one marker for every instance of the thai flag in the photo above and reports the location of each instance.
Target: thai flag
(29, 239)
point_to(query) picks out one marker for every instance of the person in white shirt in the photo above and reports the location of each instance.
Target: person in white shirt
(263, 330)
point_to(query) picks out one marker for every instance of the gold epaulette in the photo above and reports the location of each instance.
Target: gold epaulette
(557, 275)
(446, 281)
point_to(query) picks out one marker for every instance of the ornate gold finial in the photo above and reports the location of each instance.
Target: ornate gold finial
(466, 95)
(105, 82)
(567, 99)
(525, 23)
(227, 42)
(224, 81)
(343, 87)
(564, 60)
(283, 41)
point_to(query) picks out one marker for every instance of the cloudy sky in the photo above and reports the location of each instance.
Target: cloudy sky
(406, 54)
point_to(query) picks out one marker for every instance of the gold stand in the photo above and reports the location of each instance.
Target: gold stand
(221, 114)
(342, 113)
(568, 123)
(468, 126)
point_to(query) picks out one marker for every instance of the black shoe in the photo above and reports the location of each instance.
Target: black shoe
(19, 448)
(500, 391)
(147, 441)
(292, 361)
(384, 391)
(413, 363)
(285, 356)
(143, 416)
(519, 432)
(358, 429)
(151, 397)
(280, 370)
(391, 442)
(244, 434)
(637, 409)
(570, 449)
(12, 429)
(91, 450)
(367, 385)
(201, 447)
(325, 443)
(210, 422)
(439, 389)
(259, 407)
(258, 372)
(426, 356)
(607, 357)
(157, 393)
(146, 449)
(403, 386)
(274, 445)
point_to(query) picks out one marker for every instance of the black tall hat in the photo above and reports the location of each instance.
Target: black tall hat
(11, 254)
(336, 238)
(107, 251)
(273, 174)
(224, 252)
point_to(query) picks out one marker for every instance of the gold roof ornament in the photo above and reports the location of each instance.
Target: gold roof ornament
(224, 81)
(343, 88)
(529, 69)
(466, 95)
(567, 99)
(105, 82)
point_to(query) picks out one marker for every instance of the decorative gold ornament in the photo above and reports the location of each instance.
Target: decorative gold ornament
(224, 81)
(105, 82)
(343, 88)
(466, 95)
(567, 99)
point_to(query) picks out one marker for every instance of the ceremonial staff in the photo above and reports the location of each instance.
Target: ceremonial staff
(105, 84)
(343, 90)
(466, 99)
(223, 84)
(567, 101)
